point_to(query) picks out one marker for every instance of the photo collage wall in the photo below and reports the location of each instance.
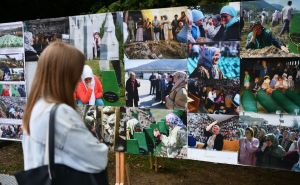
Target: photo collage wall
(215, 82)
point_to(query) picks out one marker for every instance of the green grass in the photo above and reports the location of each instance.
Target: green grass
(295, 27)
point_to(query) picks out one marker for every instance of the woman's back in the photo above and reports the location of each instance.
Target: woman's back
(75, 146)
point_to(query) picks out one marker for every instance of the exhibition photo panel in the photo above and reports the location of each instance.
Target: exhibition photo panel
(162, 133)
(270, 29)
(11, 132)
(158, 84)
(270, 85)
(11, 38)
(156, 33)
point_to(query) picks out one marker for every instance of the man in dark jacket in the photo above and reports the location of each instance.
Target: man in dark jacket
(132, 91)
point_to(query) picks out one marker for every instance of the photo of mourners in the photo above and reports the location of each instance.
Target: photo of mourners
(11, 132)
(214, 22)
(101, 87)
(158, 132)
(11, 107)
(39, 33)
(156, 33)
(13, 90)
(98, 36)
(270, 28)
(270, 85)
(214, 96)
(156, 84)
(11, 67)
(103, 123)
(270, 141)
(217, 134)
(11, 38)
(215, 60)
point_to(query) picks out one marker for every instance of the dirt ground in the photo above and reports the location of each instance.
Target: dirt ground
(173, 172)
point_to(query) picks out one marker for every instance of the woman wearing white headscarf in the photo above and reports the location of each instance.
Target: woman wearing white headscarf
(89, 90)
(177, 99)
(177, 139)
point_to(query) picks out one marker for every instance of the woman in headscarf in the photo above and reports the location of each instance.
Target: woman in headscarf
(139, 31)
(274, 81)
(248, 147)
(215, 139)
(272, 152)
(231, 22)
(296, 167)
(173, 144)
(89, 90)
(177, 99)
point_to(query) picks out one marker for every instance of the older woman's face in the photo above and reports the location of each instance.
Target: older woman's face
(269, 142)
(216, 130)
(132, 77)
(225, 18)
(248, 134)
(88, 80)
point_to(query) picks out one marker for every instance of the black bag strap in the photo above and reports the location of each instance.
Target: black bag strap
(51, 141)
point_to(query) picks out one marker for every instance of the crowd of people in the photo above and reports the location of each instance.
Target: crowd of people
(270, 146)
(14, 107)
(11, 131)
(218, 97)
(157, 28)
(207, 59)
(270, 76)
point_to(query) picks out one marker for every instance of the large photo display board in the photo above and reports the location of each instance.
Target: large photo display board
(216, 82)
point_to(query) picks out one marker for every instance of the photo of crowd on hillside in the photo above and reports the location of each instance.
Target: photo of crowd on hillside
(11, 38)
(11, 132)
(214, 96)
(11, 107)
(98, 36)
(270, 85)
(159, 132)
(269, 141)
(156, 33)
(215, 60)
(39, 33)
(270, 29)
(156, 84)
(214, 22)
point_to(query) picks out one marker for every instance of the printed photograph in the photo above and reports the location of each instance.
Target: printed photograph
(162, 133)
(104, 123)
(214, 22)
(156, 83)
(39, 33)
(270, 85)
(11, 38)
(11, 132)
(269, 140)
(11, 108)
(270, 28)
(98, 36)
(215, 60)
(156, 33)
(213, 138)
(214, 96)
(12, 90)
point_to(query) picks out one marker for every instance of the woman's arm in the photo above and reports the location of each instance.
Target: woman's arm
(83, 93)
(211, 125)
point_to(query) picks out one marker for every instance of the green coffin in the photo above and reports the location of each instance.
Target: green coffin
(294, 97)
(267, 102)
(248, 101)
(110, 84)
(284, 102)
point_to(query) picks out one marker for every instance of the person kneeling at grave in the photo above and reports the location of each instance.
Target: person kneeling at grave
(261, 37)
(89, 90)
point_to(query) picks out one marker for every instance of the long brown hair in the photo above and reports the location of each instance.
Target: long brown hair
(58, 72)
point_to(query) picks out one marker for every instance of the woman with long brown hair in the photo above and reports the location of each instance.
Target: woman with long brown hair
(58, 72)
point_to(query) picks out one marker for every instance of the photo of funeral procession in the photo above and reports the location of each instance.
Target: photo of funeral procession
(270, 28)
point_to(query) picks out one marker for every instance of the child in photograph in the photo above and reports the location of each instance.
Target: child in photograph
(89, 90)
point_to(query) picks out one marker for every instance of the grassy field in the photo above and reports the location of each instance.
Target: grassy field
(295, 28)
(173, 171)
